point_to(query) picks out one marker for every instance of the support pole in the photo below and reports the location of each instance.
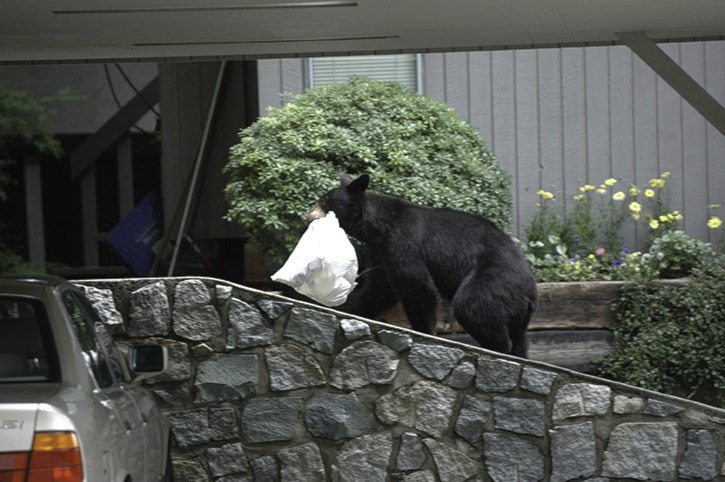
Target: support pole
(676, 77)
(201, 152)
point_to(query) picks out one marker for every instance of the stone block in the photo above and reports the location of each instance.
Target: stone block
(363, 363)
(247, 327)
(472, 418)
(291, 367)
(227, 459)
(225, 377)
(520, 415)
(434, 361)
(573, 452)
(462, 375)
(625, 405)
(273, 308)
(365, 458)
(336, 415)
(354, 329)
(265, 469)
(452, 464)
(581, 400)
(411, 455)
(190, 427)
(270, 419)
(426, 406)
(537, 381)
(150, 312)
(497, 375)
(303, 462)
(313, 328)
(700, 459)
(642, 451)
(508, 458)
(657, 408)
(395, 340)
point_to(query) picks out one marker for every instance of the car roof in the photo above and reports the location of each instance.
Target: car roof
(21, 283)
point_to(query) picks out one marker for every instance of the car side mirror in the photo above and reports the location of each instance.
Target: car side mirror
(147, 361)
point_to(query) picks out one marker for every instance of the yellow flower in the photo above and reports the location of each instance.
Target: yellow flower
(587, 187)
(610, 182)
(591, 256)
(713, 206)
(657, 183)
(635, 207)
(545, 194)
(714, 222)
(649, 193)
(635, 216)
(665, 218)
(654, 224)
(578, 197)
(618, 196)
(633, 191)
(602, 189)
(665, 175)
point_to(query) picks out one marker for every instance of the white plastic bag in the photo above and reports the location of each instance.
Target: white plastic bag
(323, 265)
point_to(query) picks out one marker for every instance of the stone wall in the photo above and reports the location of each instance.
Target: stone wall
(264, 388)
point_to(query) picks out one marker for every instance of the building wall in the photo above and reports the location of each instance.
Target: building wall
(265, 388)
(92, 103)
(559, 118)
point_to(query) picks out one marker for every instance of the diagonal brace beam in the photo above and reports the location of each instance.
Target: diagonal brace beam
(676, 77)
(85, 155)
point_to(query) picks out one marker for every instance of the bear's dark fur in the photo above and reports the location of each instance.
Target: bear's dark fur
(418, 252)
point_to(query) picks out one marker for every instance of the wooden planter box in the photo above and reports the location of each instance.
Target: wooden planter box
(572, 326)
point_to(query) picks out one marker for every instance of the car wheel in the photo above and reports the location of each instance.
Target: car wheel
(169, 470)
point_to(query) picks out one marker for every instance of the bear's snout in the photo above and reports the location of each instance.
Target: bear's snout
(315, 213)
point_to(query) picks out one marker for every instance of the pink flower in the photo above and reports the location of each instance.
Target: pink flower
(600, 252)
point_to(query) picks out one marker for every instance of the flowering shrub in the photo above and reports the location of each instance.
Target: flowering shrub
(584, 241)
(672, 338)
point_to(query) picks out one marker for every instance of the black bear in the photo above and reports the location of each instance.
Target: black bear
(418, 252)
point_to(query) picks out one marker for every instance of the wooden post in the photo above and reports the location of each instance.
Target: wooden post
(90, 217)
(34, 212)
(124, 164)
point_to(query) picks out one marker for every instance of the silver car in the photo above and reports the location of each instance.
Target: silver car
(69, 407)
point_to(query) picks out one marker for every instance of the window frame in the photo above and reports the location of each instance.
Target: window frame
(309, 69)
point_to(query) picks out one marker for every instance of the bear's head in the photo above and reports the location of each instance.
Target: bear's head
(346, 202)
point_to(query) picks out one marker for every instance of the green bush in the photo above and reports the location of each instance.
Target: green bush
(675, 254)
(411, 145)
(672, 338)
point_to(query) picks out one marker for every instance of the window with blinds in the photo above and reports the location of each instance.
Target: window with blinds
(400, 68)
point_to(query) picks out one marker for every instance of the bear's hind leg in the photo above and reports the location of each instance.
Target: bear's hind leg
(483, 317)
(420, 301)
(518, 332)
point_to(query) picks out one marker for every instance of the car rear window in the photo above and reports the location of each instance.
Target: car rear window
(27, 352)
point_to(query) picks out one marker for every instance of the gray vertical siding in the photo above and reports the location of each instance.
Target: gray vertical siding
(558, 118)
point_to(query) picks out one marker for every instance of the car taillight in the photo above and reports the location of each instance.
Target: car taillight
(12, 467)
(56, 457)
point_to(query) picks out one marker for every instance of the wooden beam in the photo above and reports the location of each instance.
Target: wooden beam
(676, 77)
(89, 213)
(125, 176)
(85, 155)
(34, 212)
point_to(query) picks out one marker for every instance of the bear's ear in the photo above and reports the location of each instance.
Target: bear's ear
(345, 179)
(359, 185)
